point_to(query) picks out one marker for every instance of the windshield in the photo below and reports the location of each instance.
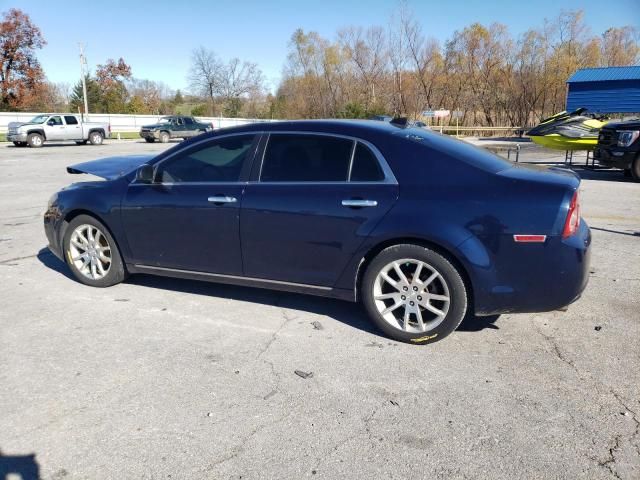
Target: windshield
(39, 119)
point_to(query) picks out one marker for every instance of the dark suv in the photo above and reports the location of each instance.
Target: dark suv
(175, 126)
(618, 146)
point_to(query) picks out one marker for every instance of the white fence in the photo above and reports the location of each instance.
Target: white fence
(125, 123)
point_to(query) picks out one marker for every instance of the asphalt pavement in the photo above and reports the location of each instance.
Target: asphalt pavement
(164, 378)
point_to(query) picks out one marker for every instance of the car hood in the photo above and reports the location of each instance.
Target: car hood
(20, 124)
(629, 124)
(110, 168)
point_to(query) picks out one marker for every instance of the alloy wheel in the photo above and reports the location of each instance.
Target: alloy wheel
(90, 252)
(411, 295)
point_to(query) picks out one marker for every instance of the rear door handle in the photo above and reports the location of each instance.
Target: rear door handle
(222, 199)
(359, 203)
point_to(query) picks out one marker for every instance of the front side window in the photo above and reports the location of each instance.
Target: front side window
(306, 158)
(188, 120)
(218, 161)
(55, 121)
(71, 120)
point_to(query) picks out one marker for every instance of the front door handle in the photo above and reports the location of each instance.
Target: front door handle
(359, 203)
(222, 199)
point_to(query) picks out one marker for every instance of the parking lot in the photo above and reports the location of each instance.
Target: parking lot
(166, 378)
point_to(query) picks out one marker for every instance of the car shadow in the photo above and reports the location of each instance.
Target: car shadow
(349, 313)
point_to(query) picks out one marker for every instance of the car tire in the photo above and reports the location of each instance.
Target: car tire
(78, 252)
(164, 137)
(96, 138)
(19, 144)
(414, 318)
(635, 169)
(35, 140)
(150, 140)
(81, 142)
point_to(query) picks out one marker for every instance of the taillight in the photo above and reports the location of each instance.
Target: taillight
(572, 222)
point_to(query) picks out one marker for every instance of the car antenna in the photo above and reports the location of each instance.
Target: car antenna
(400, 121)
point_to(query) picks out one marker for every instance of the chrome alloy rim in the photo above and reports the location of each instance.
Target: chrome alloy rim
(37, 140)
(90, 252)
(411, 295)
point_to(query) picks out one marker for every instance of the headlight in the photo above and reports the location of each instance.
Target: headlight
(627, 137)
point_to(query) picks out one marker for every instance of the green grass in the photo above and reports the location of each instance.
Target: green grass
(125, 135)
(114, 136)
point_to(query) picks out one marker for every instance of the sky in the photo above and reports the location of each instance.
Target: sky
(156, 37)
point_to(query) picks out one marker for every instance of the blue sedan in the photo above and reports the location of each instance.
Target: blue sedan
(420, 228)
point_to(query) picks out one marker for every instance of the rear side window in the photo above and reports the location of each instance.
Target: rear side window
(365, 166)
(71, 120)
(306, 158)
(218, 161)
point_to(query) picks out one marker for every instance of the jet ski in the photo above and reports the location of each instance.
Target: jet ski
(568, 131)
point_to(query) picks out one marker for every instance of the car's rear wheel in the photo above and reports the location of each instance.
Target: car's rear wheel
(35, 140)
(164, 137)
(414, 294)
(150, 140)
(635, 169)
(92, 253)
(96, 138)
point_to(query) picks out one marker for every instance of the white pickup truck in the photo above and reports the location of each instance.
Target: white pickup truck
(57, 127)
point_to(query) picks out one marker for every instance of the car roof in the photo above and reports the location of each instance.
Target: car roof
(335, 126)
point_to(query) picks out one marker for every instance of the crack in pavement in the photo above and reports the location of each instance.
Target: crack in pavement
(610, 461)
(9, 260)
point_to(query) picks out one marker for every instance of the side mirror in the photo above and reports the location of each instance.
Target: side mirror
(145, 174)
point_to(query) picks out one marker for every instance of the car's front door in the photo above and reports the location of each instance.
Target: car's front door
(315, 201)
(189, 217)
(56, 129)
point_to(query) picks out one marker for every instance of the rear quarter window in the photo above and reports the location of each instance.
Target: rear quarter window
(447, 146)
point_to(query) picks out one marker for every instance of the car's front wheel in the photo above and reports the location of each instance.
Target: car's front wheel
(414, 294)
(150, 140)
(92, 253)
(164, 137)
(35, 140)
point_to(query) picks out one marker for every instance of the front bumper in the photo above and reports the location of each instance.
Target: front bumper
(150, 134)
(17, 137)
(614, 157)
(52, 225)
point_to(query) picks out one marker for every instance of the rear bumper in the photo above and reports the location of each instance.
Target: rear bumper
(614, 157)
(534, 277)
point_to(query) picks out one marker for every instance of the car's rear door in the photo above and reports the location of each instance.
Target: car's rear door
(73, 130)
(314, 200)
(189, 218)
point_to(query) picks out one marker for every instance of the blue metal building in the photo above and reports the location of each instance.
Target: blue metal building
(605, 90)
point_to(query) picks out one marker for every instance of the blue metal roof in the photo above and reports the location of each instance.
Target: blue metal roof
(605, 74)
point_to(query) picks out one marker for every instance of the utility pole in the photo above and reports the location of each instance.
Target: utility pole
(83, 74)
